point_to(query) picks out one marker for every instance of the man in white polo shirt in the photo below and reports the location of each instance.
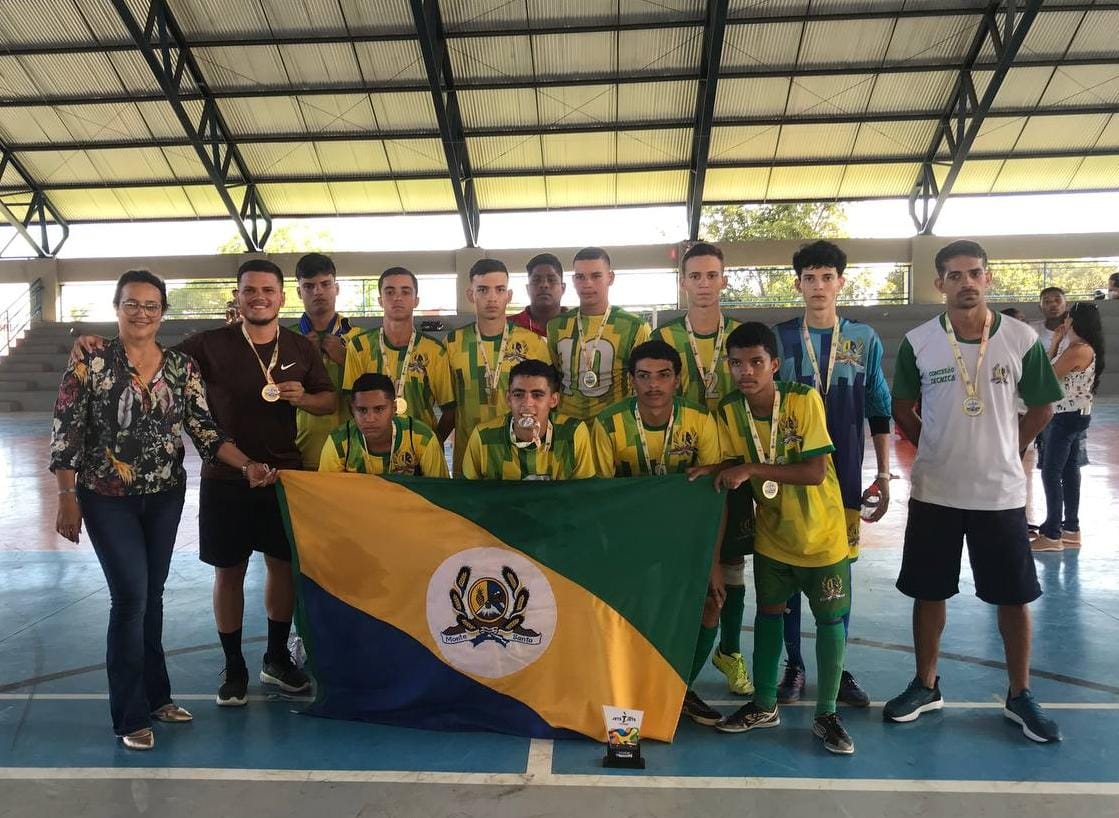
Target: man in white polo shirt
(968, 367)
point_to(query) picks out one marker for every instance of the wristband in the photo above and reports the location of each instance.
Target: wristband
(245, 468)
(67, 491)
(883, 475)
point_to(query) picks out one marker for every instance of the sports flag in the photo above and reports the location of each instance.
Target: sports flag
(515, 607)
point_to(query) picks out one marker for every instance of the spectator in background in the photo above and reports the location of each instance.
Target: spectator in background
(1113, 287)
(1016, 313)
(1054, 308)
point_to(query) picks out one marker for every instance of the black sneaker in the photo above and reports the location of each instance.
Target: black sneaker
(698, 710)
(283, 673)
(851, 693)
(913, 701)
(836, 739)
(1024, 710)
(749, 717)
(792, 685)
(234, 690)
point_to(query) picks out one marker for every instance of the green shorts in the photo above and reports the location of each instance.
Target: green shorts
(738, 538)
(828, 588)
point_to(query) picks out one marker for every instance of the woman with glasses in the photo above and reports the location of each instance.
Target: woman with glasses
(117, 455)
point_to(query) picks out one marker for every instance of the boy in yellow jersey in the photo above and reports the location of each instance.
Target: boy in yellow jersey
(481, 354)
(377, 440)
(591, 345)
(416, 362)
(657, 433)
(532, 441)
(330, 333)
(775, 435)
(700, 336)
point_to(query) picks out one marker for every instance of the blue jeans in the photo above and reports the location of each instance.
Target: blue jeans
(1060, 472)
(133, 538)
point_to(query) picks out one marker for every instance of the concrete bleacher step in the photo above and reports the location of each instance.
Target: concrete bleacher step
(30, 401)
(14, 365)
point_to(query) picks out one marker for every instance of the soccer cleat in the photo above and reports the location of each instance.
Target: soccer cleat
(850, 693)
(792, 685)
(698, 710)
(829, 727)
(1043, 543)
(913, 701)
(284, 675)
(1024, 710)
(749, 717)
(234, 687)
(1070, 539)
(733, 666)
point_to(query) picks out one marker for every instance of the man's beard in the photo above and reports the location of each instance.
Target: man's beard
(259, 322)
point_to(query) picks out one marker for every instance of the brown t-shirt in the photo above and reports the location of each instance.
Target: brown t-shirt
(263, 431)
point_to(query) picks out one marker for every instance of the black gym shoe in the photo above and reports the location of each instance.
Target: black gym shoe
(792, 685)
(1024, 710)
(851, 693)
(913, 701)
(234, 690)
(829, 727)
(698, 710)
(749, 717)
(283, 673)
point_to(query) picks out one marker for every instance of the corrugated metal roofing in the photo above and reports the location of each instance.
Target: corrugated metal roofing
(807, 108)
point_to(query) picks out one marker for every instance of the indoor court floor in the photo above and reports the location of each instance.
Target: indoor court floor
(58, 756)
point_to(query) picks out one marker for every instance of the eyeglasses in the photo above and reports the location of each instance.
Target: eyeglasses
(133, 307)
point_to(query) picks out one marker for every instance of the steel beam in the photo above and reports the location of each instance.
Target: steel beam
(710, 60)
(161, 42)
(29, 210)
(441, 82)
(1004, 28)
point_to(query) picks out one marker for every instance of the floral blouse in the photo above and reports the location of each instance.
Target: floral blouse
(123, 436)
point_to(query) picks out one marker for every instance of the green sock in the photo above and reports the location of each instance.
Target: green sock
(769, 641)
(730, 619)
(831, 644)
(702, 650)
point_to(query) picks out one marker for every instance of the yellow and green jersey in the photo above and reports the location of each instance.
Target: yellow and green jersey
(311, 431)
(608, 357)
(491, 454)
(618, 448)
(427, 383)
(474, 404)
(675, 334)
(802, 525)
(415, 450)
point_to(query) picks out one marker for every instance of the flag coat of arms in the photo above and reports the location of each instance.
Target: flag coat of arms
(518, 607)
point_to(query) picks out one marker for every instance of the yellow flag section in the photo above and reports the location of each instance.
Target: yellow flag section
(519, 607)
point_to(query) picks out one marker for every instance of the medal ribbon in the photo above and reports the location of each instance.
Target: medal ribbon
(267, 370)
(492, 375)
(719, 341)
(392, 448)
(773, 419)
(649, 462)
(583, 358)
(971, 388)
(404, 361)
(818, 380)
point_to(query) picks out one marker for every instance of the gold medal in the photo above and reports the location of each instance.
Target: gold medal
(973, 406)
(711, 381)
(589, 379)
(401, 406)
(270, 392)
(769, 489)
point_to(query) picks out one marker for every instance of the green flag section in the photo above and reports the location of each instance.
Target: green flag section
(518, 607)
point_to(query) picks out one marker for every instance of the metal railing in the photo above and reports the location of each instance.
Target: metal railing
(16, 318)
(865, 284)
(1024, 280)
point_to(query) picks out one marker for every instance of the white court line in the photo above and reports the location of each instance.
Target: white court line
(559, 780)
(999, 704)
(539, 758)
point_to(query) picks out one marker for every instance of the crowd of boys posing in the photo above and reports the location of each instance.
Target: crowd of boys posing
(777, 417)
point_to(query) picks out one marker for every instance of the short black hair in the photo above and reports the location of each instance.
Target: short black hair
(1014, 312)
(141, 277)
(544, 260)
(532, 368)
(1049, 291)
(753, 334)
(1113, 279)
(484, 266)
(314, 264)
(594, 254)
(963, 247)
(819, 254)
(702, 248)
(656, 350)
(398, 271)
(260, 265)
(373, 382)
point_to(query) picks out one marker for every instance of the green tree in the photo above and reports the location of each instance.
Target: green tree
(297, 237)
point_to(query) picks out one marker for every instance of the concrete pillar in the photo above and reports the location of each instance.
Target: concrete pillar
(47, 272)
(922, 270)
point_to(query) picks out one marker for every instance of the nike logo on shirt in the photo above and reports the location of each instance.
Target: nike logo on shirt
(286, 366)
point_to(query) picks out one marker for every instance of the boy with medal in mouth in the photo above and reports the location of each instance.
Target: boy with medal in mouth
(481, 354)
(700, 337)
(774, 434)
(970, 368)
(379, 441)
(657, 433)
(532, 441)
(591, 345)
(415, 361)
(843, 360)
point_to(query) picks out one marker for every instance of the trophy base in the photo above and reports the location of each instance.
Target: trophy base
(628, 758)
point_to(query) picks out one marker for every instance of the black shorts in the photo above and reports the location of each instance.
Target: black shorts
(998, 547)
(235, 520)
